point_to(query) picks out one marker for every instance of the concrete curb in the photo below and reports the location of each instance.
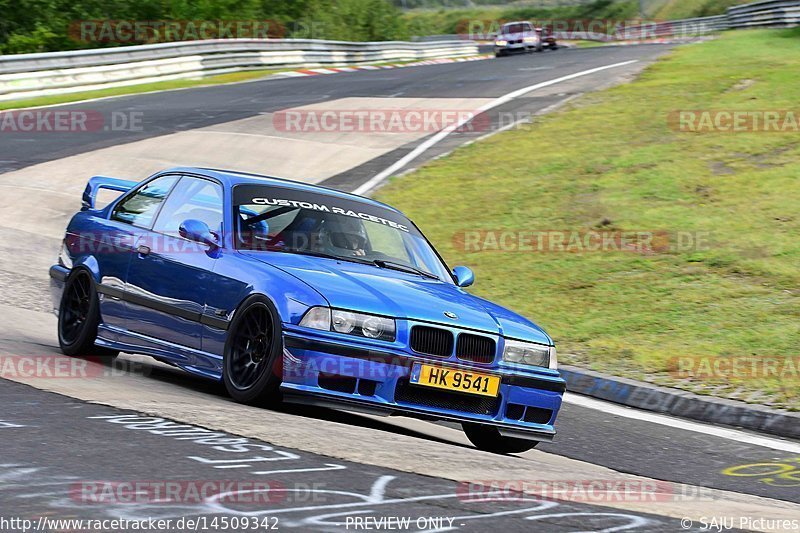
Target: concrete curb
(679, 403)
(353, 68)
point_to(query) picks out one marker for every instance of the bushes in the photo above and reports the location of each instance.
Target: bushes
(448, 22)
(43, 25)
(358, 20)
(676, 9)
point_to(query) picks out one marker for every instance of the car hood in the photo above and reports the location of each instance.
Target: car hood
(515, 36)
(369, 289)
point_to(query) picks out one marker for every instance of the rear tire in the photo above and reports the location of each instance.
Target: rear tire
(253, 353)
(79, 317)
(488, 439)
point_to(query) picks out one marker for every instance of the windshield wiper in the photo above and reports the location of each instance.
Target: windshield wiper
(403, 268)
(318, 254)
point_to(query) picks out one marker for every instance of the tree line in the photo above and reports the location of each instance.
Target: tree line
(50, 25)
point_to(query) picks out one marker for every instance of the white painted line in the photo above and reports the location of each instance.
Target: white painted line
(416, 152)
(322, 70)
(327, 467)
(679, 423)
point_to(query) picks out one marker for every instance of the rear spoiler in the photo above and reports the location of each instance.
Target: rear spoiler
(102, 182)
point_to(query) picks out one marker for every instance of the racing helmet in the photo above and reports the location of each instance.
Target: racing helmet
(343, 235)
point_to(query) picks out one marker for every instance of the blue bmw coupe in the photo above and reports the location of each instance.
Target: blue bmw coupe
(284, 290)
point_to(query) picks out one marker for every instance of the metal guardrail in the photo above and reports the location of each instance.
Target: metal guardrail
(768, 14)
(653, 30)
(28, 75)
(765, 14)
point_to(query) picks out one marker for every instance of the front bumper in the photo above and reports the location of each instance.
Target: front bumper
(514, 48)
(332, 372)
(58, 278)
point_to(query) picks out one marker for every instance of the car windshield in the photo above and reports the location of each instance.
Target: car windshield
(277, 219)
(515, 27)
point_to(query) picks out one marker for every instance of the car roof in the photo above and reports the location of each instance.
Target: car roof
(230, 178)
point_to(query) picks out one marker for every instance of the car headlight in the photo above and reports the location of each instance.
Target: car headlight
(361, 324)
(500, 43)
(527, 353)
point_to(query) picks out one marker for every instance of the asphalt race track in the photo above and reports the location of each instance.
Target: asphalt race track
(307, 491)
(323, 469)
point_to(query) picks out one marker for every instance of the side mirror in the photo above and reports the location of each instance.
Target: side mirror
(197, 231)
(464, 276)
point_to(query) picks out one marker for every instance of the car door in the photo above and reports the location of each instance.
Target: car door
(115, 244)
(169, 275)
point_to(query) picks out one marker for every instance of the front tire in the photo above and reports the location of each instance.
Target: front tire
(79, 317)
(252, 353)
(488, 439)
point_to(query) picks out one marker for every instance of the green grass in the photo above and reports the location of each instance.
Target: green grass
(232, 77)
(610, 160)
(588, 44)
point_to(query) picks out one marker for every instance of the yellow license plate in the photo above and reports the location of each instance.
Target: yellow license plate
(442, 377)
